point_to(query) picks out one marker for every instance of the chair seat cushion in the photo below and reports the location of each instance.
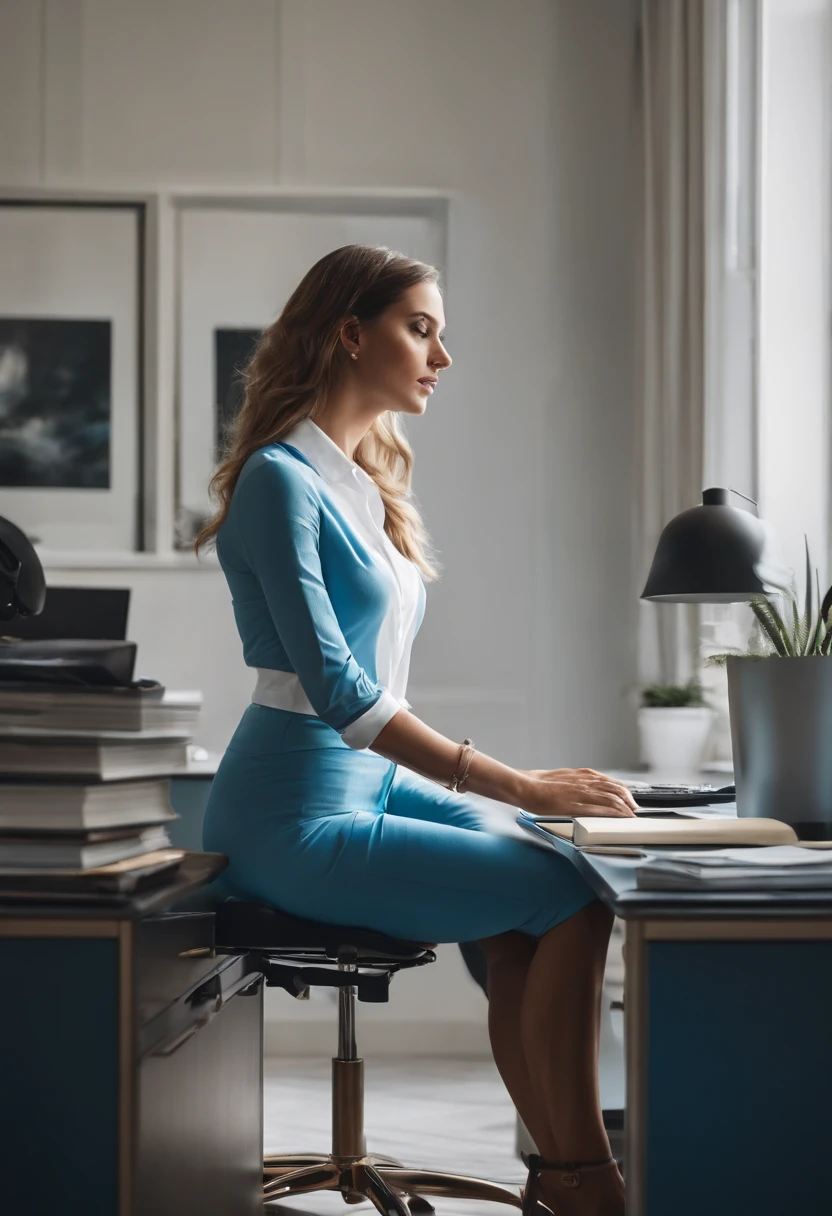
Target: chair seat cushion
(241, 925)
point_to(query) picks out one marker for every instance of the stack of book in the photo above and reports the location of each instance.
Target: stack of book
(85, 786)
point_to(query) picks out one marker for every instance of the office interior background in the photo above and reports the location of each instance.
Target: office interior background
(582, 410)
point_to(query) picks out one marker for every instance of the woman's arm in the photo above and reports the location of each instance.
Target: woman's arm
(406, 740)
(277, 523)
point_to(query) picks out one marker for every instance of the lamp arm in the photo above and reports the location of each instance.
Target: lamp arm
(745, 496)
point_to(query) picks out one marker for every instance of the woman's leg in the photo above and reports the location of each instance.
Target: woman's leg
(509, 957)
(560, 1026)
(544, 992)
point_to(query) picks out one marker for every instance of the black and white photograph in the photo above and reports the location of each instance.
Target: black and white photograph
(232, 350)
(237, 267)
(55, 402)
(71, 373)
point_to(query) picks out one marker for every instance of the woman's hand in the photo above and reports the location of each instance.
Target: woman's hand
(576, 791)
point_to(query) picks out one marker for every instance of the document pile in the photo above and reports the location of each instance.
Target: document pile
(783, 867)
(85, 786)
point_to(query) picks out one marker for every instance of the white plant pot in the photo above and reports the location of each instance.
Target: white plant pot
(674, 739)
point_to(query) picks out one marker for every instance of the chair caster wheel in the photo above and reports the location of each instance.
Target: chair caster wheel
(419, 1206)
(353, 1197)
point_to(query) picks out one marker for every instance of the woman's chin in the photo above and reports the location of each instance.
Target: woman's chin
(409, 406)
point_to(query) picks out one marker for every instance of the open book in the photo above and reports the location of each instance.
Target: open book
(641, 829)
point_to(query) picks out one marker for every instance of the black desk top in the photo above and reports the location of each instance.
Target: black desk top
(613, 879)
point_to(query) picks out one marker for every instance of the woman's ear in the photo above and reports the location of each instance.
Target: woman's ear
(350, 334)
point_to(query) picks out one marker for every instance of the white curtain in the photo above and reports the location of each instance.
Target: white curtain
(679, 115)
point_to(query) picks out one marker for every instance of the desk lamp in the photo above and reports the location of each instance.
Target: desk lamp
(780, 708)
(22, 583)
(716, 553)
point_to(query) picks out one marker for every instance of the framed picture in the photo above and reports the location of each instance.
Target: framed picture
(237, 265)
(70, 373)
(232, 350)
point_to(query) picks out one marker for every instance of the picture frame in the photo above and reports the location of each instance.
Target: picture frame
(237, 262)
(71, 371)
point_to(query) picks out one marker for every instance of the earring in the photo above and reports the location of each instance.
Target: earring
(353, 355)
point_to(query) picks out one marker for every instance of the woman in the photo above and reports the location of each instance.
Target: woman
(329, 801)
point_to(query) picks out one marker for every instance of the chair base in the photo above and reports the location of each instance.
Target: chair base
(390, 1186)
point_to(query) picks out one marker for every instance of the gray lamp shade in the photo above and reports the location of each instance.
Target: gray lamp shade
(714, 554)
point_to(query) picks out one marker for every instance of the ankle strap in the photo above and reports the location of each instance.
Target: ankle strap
(577, 1165)
(535, 1162)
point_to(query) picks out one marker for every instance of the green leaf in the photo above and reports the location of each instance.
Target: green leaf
(770, 621)
(780, 624)
(673, 696)
(809, 606)
(797, 630)
(817, 632)
(826, 607)
(790, 600)
(826, 644)
(771, 608)
(719, 660)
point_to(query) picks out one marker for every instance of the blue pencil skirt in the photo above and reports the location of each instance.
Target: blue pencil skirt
(320, 830)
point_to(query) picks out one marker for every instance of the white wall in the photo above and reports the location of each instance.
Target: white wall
(523, 109)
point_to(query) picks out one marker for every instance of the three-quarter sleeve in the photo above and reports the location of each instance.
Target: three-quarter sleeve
(276, 518)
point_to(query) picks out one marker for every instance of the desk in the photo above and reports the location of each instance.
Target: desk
(131, 1080)
(727, 1010)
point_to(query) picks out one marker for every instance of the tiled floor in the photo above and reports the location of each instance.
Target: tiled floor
(448, 1114)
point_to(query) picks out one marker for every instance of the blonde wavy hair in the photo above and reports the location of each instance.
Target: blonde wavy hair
(295, 366)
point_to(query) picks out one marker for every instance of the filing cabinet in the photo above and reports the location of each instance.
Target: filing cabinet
(131, 1066)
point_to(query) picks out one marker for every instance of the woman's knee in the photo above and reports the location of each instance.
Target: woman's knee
(508, 948)
(600, 918)
(590, 924)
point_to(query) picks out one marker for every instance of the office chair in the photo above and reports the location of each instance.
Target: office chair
(297, 954)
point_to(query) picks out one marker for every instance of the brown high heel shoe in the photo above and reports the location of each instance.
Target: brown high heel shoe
(580, 1185)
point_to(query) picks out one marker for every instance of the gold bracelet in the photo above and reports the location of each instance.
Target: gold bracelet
(463, 767)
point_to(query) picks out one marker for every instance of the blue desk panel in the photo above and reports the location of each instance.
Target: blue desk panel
(59, 1033)
(739, 1071)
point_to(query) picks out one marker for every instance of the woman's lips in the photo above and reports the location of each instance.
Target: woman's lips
(427, 384)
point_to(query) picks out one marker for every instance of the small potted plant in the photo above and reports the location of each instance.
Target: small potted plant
(674, 723)
(780, 703)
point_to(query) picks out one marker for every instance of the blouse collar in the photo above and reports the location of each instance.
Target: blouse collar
(325, 455)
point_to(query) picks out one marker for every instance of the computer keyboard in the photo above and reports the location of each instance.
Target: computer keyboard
(668, 794)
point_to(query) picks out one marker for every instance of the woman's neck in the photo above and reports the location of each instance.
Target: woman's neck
(346, 433)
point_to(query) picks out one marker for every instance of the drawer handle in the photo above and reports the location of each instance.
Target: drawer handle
(167, 1049)
(198, 952)
(208, 1000)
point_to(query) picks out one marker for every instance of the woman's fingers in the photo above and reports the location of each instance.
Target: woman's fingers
(585, 792)
(592, 778)
(615, 787)
(606, 785)
(597, 803)
(610, 786)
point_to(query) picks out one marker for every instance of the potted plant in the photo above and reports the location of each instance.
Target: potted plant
(674, 722)
(780, 706)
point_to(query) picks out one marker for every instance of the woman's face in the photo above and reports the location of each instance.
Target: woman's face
(401, 350)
